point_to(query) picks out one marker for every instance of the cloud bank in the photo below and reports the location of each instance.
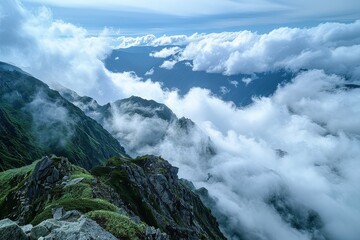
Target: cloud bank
(334, 47)
(286, 166)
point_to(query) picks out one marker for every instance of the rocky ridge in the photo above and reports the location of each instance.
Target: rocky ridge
(142, 195)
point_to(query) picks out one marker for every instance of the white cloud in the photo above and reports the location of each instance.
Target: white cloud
(313, 119)
(224, 90)
(334, 47)
(150, 72)
(54, 51)
(306, 119)
(128, 84)
(234, 83)
(168, 64)
(152, 40)
(247, 81)
(165, 52)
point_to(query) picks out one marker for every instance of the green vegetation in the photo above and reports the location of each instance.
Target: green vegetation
(26, 135)
(81, 173)
(83, 205)
(11, 179)
(129, 193)
(119, 225)
(80, 190)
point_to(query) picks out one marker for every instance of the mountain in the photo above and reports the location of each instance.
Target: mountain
(36, 120)
(61, 198)
(145, 126)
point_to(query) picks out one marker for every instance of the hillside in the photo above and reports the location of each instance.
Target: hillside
(36, 120)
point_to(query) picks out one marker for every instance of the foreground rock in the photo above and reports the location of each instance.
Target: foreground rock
(139, 198)
(83, 228)
(9, 230)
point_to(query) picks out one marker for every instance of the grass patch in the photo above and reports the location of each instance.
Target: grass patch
(80, 190)
(11, 179)
(83, 205)
(119, 225)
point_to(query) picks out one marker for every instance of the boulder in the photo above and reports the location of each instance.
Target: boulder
(58, 213)
(83, 228)
(27, 228)
(9, 230)
(152, 233)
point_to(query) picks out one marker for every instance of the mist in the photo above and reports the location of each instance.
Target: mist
(51, 123)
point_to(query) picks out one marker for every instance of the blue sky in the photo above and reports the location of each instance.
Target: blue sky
(186, 17)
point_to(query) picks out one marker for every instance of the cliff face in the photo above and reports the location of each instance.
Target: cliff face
(159, 198)
(144, 192)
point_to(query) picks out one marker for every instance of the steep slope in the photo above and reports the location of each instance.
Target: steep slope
(131, 198)
(35, 120)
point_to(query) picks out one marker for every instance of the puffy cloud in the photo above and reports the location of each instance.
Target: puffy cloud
(128, 84)
(247, 81)
(234, 83)
(319, 145)
(152, 40)
(54, 51)
(150, 72)
(168, 64)
(284, 160)
(165, 52)
(332, 46)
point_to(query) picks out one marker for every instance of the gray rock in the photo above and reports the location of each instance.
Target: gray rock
(72, 215)
(55, 175)
(83, 229)
(39, 231)
(58, 213)
(9, 230)
(74, 181)
(44, 228)
(42, 168)
(27, 228)
(152, 233)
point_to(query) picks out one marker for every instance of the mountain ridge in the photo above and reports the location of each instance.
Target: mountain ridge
(38, 120)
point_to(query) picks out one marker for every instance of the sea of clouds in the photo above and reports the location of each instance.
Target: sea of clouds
(301, 144)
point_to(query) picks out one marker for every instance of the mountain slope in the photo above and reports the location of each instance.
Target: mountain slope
(35, 120)
(127, 197)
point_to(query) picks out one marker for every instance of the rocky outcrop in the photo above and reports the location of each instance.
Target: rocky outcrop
(9, 230)
(150, 188)
(55, 229)
(49, 174)
(144, 193)
(83, 228)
